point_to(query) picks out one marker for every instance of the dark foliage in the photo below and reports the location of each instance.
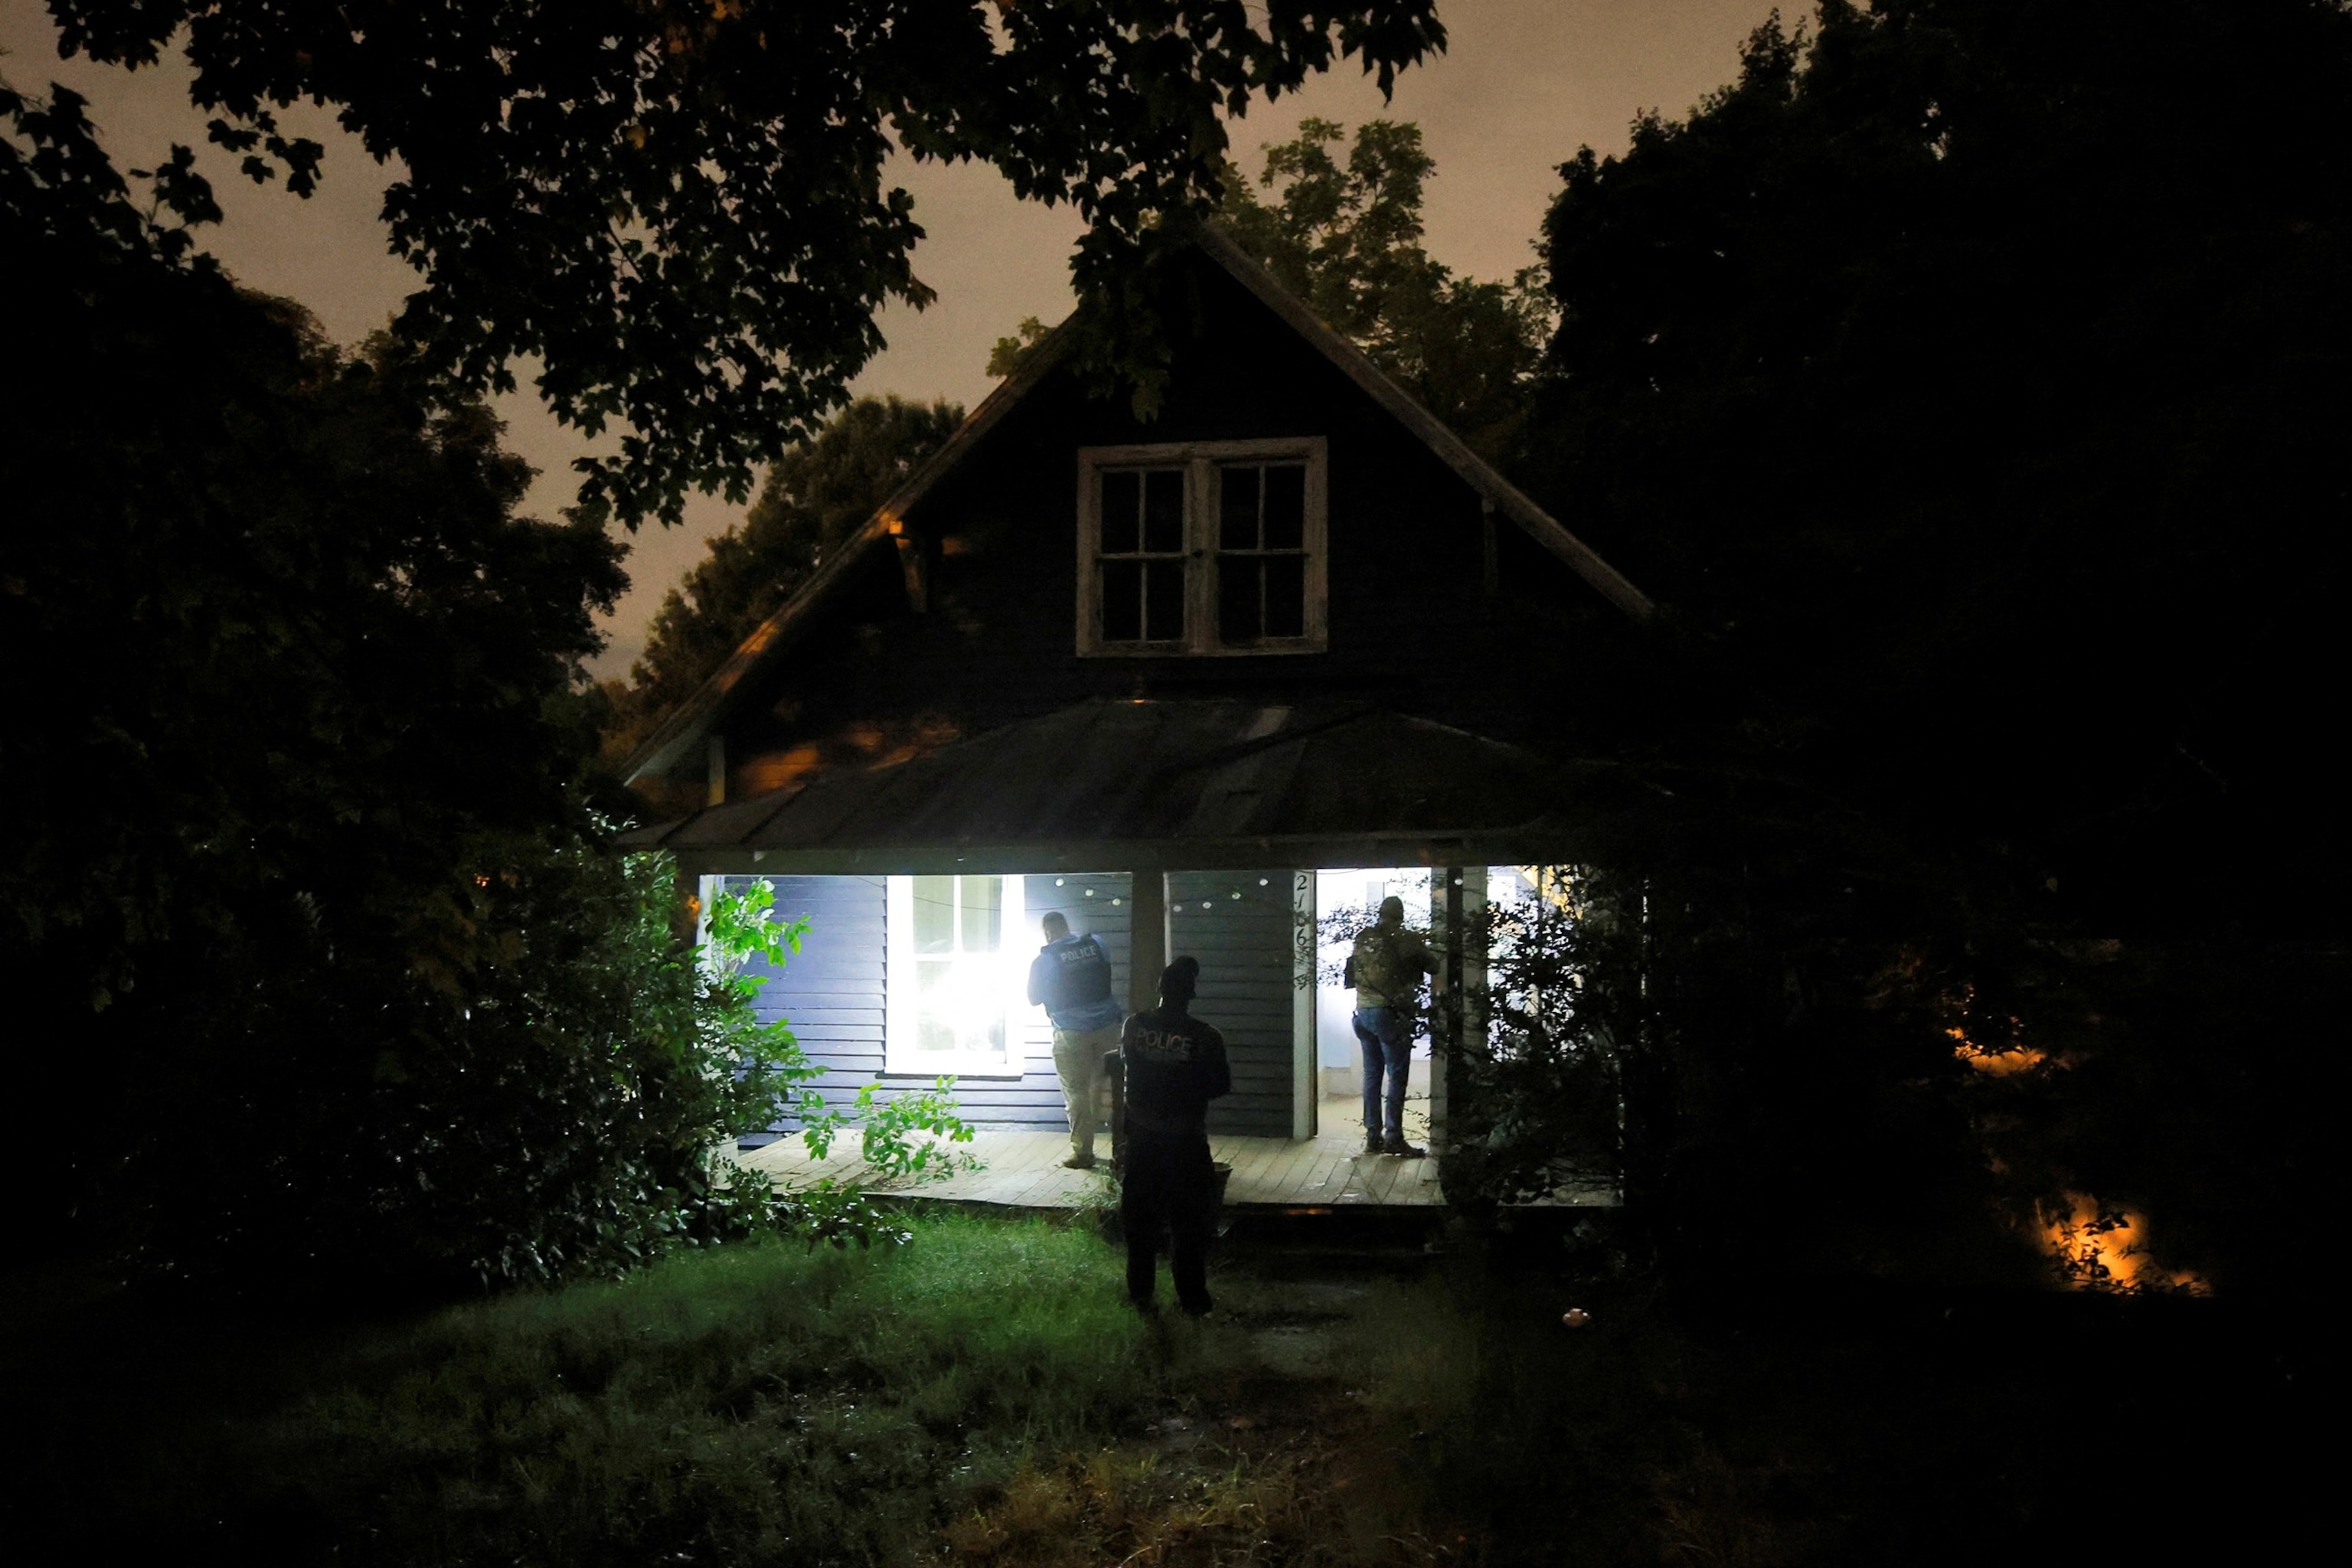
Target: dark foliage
(315, 962)
(679, 207)
(816, 495)
(1534, 1078)
(1969, 385)
(1967, 381)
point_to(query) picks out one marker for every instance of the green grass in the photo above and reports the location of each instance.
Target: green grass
(753, 1404)
(983, 1398)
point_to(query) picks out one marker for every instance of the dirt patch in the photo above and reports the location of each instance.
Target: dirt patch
(1268, 1456)
(1298, 1475)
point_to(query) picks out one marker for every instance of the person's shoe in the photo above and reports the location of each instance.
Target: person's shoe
(1079, 1163)
(1375, 1144)
(1200, 1309)
(1397, 1148)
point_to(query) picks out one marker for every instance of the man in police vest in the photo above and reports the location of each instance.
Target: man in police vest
(1174, 1064)
(1385, 969)
(1070, 977)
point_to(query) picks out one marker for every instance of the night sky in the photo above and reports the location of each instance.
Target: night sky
(1525, 83)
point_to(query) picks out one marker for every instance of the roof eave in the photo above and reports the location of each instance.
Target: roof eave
(1450, 448)
(1540, 842)
(711, 701)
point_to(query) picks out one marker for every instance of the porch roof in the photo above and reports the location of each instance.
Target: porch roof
(1185, 785)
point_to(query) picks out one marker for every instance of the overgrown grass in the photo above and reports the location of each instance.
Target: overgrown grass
(755, 1404)
(983, 1398)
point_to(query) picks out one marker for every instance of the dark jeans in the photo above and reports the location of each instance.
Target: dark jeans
(1171, 1186)
(1386, 1034)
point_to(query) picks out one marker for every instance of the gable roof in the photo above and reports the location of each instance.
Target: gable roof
(711, 702)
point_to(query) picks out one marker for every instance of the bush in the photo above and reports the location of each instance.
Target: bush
(318, 957)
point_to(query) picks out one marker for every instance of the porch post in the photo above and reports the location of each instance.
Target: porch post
(1448, 906)
(1147, 951)
(1305, 1060)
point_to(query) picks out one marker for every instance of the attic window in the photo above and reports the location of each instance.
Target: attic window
(1201, 548)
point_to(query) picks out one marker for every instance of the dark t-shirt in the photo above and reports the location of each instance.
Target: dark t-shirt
(1175, 1066)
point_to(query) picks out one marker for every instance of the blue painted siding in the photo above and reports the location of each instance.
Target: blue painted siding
(1238, 924)
(833, 993)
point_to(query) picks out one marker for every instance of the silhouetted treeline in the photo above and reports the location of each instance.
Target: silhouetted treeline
(312, 959)
(1969, 382)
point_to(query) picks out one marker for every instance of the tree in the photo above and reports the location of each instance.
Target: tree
(1348, 241)
(1967, 385)
(680, 207)
(1912, 370)
(816, 495)
(300, 861)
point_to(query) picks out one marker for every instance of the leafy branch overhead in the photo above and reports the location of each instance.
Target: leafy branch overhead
(680, 206)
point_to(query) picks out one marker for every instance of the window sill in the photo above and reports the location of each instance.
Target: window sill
(909, 1076)
(1263, 650)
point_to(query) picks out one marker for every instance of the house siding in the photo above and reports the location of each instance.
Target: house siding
(1414, 627)
(1243, 944)
(833, 993)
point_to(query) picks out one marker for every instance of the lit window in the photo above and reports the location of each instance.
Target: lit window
(954, 987)
(1211, 548)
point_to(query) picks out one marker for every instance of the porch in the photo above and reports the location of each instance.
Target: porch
(1023, 1170)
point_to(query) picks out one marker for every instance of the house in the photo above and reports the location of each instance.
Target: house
(1166, 676)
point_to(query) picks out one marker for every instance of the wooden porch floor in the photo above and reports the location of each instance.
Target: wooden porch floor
(1024, 1170)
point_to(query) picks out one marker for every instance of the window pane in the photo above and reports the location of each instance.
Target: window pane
(983, 917)
(1285, 509)
(946, 1010)
(1237, 620)
(934, 914)
(1122, 501)
(960, 1007)
(1163, 600)
(1163, 511)
(934, 1032)
(1237, 528)
(1122, 588)
(1286, 595)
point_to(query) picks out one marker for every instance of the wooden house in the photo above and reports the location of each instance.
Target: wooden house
(1154, 674)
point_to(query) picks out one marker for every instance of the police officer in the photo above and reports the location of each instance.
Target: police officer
(1174, 1066)
(1385, 969)
(1070, 978)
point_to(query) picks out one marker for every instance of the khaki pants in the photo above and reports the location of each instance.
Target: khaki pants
(1077, 1059)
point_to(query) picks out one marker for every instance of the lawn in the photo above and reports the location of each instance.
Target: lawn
(982, 1396)
(753, 1404)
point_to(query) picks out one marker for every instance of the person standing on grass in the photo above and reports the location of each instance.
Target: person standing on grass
(1070, 978)
(1174, 1064)
(1385, 969)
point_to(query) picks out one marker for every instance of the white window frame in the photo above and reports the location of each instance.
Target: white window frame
(1200, 461)
(900, 1055)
